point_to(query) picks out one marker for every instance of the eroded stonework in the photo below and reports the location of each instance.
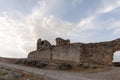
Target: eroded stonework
(60, 42)
(92, 53)
(42, 45)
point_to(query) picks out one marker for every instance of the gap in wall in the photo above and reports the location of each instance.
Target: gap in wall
(116, 56)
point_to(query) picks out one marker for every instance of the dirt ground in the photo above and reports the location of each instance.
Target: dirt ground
(107, 73)
(8, 73)
(112, 73)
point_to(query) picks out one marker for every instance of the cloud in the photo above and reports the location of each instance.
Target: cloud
(58, 26)
(14, 35)
(76, 2)
(109, 6)
(87, 23)
(115, 27)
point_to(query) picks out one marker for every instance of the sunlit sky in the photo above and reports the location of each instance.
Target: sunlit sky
(22, 22)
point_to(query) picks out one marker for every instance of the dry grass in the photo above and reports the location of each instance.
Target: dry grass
(25, 75)
(29, 76)
(76, 69)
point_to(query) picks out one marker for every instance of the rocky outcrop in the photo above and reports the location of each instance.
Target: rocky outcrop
(90, 53)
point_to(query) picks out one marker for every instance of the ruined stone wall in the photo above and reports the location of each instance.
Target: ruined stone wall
(39, 55)
(92, 53)
(43, 45)
(98, 53)
(67, 52)
(60, 42)
(43, 51)
(32, 55)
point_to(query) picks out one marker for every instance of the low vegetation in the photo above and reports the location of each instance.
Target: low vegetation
(13, 74)
(64, 66)
(61, 66)
(116, 64)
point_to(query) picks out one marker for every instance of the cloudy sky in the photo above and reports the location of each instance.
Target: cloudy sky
(22, 22)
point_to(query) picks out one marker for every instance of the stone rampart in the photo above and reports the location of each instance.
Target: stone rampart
(67, 52)
(92, 53)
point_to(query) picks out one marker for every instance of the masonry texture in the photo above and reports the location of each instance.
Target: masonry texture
(91, 53)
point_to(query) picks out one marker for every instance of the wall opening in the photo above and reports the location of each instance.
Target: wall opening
(116, 56)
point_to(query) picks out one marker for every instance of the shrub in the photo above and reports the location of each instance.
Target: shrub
(18, 61)
(33, 62)
(85, 65)
(64, 66)
(41, 64)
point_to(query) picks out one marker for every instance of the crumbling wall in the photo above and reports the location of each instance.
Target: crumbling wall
(116, 44)
(98, 53)
(39, 55)
(43, 45)
(43, 51)
(60, 42)
(67, 52)
(92, 53)
(32, 55)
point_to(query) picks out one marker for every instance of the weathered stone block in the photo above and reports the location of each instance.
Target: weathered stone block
(45, 54)
(67, 53)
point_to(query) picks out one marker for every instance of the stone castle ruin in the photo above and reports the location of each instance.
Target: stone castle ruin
(91, 53)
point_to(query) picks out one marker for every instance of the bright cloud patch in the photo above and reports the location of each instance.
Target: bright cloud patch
(109, 5)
